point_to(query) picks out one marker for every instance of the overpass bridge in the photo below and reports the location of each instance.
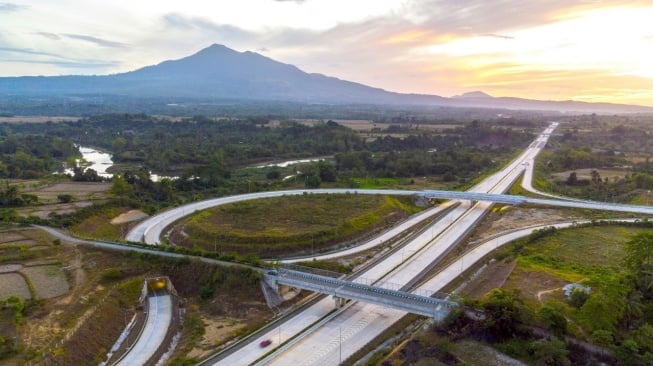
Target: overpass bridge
(341, 290)
(519, 200)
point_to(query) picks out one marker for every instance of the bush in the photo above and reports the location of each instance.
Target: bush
(65, 198)
(578, 297)
(602, 338)
(111, 274)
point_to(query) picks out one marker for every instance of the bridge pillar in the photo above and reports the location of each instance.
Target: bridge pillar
(340, 302)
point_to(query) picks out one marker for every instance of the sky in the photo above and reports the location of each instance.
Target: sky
(588, 50)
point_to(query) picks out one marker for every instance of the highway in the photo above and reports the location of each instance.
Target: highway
(360, 322)
(159, 319)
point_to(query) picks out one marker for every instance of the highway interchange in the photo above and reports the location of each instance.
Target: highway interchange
(334, 336)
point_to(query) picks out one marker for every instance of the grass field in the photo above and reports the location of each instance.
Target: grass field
(584, 247)
(290, 224)
(99, 226)
(583, 254)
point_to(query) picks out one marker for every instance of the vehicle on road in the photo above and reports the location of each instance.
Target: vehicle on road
(265, 343)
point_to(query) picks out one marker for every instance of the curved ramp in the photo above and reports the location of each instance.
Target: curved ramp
(159, 319)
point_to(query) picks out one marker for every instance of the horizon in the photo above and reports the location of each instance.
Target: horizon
(561, 50)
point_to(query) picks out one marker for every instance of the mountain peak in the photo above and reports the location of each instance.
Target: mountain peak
(474, 94)
(216, 49)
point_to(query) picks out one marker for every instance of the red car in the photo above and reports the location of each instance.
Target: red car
(265, 343)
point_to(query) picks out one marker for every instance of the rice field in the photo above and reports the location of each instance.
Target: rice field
(13, 284)
(49, 281)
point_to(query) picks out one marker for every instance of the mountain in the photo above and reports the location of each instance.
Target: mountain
(218, 72)
(472, 95)
(214, 72)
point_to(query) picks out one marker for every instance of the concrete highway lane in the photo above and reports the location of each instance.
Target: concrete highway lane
(159, 319)
(315, 347)
(434, 242)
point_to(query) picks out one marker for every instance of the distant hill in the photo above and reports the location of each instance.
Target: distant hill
(222, 73)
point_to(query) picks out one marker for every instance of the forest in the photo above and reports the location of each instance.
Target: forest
(207, 153)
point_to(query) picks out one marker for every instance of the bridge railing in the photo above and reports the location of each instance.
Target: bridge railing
(406, 301)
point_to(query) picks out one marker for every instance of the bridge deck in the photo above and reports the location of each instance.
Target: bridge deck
(399, 300)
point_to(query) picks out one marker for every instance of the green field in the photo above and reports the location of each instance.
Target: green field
(292, 224)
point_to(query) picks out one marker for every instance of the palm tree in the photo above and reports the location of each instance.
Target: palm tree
(633, 307)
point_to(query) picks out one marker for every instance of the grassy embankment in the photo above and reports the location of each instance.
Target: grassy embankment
(588, 255)
(293, 224)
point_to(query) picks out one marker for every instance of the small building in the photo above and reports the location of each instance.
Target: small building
(571, 287)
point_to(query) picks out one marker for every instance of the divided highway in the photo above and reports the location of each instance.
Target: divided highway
(342, 333)
(348, 330)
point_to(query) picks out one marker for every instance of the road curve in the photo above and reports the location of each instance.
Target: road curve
(159, 320)
(150, 230)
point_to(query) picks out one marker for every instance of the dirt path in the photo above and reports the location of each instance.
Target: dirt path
(540, 293)
(80, 274)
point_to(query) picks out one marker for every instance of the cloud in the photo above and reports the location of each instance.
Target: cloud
(27, 51)
(177, 21)
(71, 64)
(30, 56)
(48, 35)
(9, 7)
(497, 36)
(97, 41)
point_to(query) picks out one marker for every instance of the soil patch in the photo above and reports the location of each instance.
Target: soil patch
(11, 236)
(474, 353)
(21, 242)
(531, 282)
(129, 216)
(587, 173)
(48, 281)
(80, 191)
(216, 332)
(509, 218)
(13, 284)
(44, 211)
(8, 268)
(493, 276)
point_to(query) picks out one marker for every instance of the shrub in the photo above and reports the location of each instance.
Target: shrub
(111, 274)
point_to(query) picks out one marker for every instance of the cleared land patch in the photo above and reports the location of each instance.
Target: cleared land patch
(82, 194)
(49, 281)
(13, 284)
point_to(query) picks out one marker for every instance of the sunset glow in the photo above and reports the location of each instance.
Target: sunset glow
(559, 50)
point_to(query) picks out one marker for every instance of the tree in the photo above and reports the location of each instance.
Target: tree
(639, 251)
(633, 307)
(596, 177)
(313, 181)
(504, 313)
(572, 179)
(273, 174)
(553, 317)
(120, 189)
(65, 197)
(551, 352)
(327, 171)
(578, 297)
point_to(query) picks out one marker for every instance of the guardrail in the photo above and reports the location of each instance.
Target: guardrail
(400, 300)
